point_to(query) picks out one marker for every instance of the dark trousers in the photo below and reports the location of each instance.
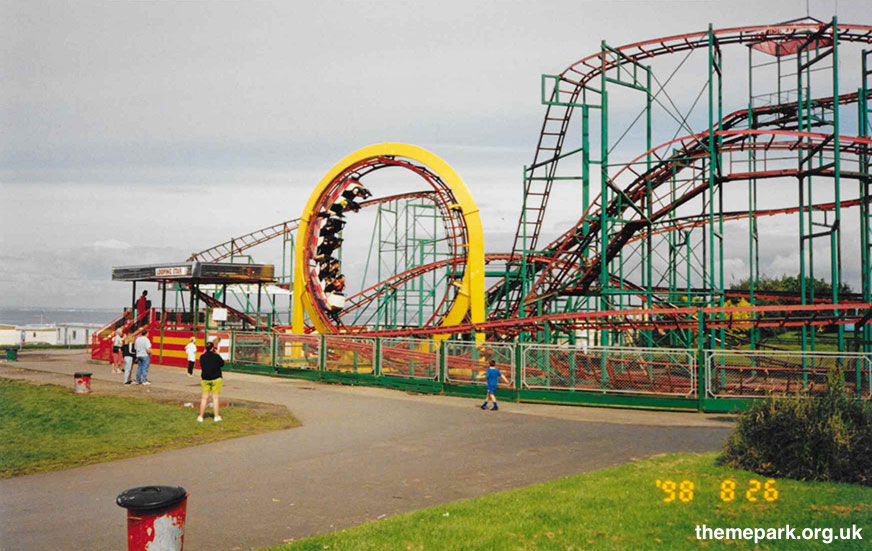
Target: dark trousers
(190, 367)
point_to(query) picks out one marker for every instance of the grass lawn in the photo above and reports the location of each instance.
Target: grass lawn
(616, 509)
(48, 427)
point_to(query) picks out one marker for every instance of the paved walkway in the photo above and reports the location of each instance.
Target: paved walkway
(361, 453)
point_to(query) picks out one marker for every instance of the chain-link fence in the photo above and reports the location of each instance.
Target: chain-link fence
(252, 348)
(298, 351)
(349, 354)
(754, 373)
(626, 370)
(411, 358)
(466, 362)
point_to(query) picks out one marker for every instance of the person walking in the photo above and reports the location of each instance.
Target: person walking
(117, 343)
(493, 376)
(212, 381)
(142, 346)
(191, 351)
(128, 354)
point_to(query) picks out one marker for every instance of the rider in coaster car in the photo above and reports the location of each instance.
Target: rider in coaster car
(341, 205)
(335, 285)
(326, 247)
(354, 190)
(332, 226)
(328, 270)
(335, 304)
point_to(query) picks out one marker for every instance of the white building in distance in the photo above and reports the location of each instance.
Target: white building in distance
(60, 334)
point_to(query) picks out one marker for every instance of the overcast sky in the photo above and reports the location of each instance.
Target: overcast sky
(138, 132)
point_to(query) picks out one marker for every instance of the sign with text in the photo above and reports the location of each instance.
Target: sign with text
(172, 271)
(219, 314)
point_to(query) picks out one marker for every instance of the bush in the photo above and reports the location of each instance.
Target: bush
(826, 437)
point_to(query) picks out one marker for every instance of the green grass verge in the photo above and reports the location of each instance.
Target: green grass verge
(48, 427)
(615, 509)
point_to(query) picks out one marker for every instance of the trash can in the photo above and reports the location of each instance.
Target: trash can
(11, 354)
(155, 517)
(83, 383)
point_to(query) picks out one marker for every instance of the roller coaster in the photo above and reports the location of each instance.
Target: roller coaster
(665, 208)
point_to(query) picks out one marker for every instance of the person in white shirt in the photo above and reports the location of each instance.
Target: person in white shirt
(191, 351)
(143, 356)
(117, 343)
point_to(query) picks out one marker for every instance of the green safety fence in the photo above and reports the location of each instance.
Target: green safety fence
(557, 374)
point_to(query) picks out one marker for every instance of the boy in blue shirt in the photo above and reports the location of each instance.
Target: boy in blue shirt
(493, 376)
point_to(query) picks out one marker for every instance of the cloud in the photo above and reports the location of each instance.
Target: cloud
(112, 244)
(143, 132)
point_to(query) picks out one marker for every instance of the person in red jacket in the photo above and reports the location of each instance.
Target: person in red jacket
(141, 304)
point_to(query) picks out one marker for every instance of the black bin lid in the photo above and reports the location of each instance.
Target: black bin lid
(82, 374)
(146, 498)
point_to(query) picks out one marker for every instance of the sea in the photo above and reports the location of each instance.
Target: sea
(34, 315)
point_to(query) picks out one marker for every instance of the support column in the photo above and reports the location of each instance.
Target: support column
(836, 259)
(257, 316)
(163, 317)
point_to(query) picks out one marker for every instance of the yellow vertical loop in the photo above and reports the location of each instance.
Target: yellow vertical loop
(469, 299)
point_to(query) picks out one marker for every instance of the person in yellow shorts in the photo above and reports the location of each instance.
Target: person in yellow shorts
(212, 382)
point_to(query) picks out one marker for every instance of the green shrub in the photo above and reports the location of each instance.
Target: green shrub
(826, 437)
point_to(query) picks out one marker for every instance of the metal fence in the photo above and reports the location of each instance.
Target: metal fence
(298, 351)
(349, 354)
(669, 372)
(409, 358)
(252, 348)
(750, 374)
(466, 362)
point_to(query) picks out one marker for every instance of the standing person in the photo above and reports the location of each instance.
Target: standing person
(143, 357)
(117, 343)
(493, 376)
(210, 371)
(141, 304)
(191, 351)
(128, 354)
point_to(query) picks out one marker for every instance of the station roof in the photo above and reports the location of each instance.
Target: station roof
(197, 272)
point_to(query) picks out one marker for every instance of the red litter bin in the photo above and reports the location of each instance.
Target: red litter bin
(155, 517)
(83, 383)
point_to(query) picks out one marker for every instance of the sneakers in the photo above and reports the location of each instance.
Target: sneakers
(128, 382)
(199, 419)
(217, 419)
(484, 405)
(495, 408)
(146, 383)
(190, 374)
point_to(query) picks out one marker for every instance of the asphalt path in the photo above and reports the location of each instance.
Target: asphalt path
(361, 454)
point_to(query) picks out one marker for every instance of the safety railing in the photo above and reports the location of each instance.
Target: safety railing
(350, 354)
(669, 372)
(661, 374)
(466, 362)
(409, 358)
(751, 374)
(297, 351)
(252, 348)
